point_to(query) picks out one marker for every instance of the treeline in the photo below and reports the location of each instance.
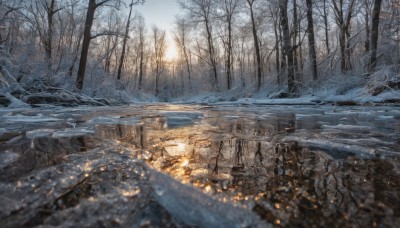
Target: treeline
(104, 47)
(293, 44)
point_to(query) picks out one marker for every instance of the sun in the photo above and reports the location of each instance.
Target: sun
(171, 53)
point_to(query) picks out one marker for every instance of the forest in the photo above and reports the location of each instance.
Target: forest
(242, 113)
(102, 51)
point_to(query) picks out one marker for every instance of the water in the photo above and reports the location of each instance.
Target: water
(282, 165)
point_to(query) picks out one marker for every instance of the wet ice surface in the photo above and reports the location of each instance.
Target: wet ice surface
(227, 166)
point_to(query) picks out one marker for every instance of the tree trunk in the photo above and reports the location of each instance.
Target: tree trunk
(283, 4)
(374, 35)
(121, 61)
(159, 50)
(211, 52)
(344, 25)
(180, 38)
(85, 44)
(49, 45)
(187, 62)
(76, 53)
(277, 49)
(108, 56)
(326, 24)
(141, 54)
(229, 57)
(367, 28)
(256, 44)
(295, 45)
(342, 45)
(282, 47)
(73, 45)
(311, 39)
(141, 68)
(349, 66)
(342, 34)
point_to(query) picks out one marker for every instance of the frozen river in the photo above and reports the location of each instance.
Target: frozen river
(230, 166)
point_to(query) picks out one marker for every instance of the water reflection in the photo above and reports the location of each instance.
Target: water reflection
(291, 167)
(41, 152)
(290, 184)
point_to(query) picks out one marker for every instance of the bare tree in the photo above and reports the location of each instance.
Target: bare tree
(230, 8)
(374, 35)
(283, 7)
(93, 5)
(216, 40)
(141, 31)
(86, 41)
(111, 40)
(40, 14)
(324, 13)
(311, 38)
(256, 42)
(74, 34)
(367, 12)
(200, 11)
(294, 34)
(126, 36)
(343, 15)
(158, 61)
(181, 38)
(274, 15)
(51, 10)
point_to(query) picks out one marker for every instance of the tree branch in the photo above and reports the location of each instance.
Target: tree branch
(107, 33)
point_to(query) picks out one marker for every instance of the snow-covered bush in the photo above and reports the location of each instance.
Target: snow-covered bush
(387, 77)
(337, 85)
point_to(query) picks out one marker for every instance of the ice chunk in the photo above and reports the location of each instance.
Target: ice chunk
(197, 209)
(72, 132)
(7, 158)
(30, 119)
(39, 133)
(176, 148)
(385, 117)
(178, 121)
(115, 120)
(340, 150)
(104, 120)
(129, 121)
(348, 127)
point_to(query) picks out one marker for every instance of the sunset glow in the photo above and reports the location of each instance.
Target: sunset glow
(171, 53)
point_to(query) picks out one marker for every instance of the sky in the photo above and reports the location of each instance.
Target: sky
(162, 14)
(159, 12)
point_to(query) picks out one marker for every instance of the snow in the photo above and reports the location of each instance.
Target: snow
(359, 95)
(15, 103)
(334, 91)
(283, 101)
(333, 95)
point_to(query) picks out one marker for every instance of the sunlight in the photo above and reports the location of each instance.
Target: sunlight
(171, 53)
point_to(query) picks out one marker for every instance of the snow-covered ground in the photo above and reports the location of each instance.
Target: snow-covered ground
(340, 90)
(358, 96)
